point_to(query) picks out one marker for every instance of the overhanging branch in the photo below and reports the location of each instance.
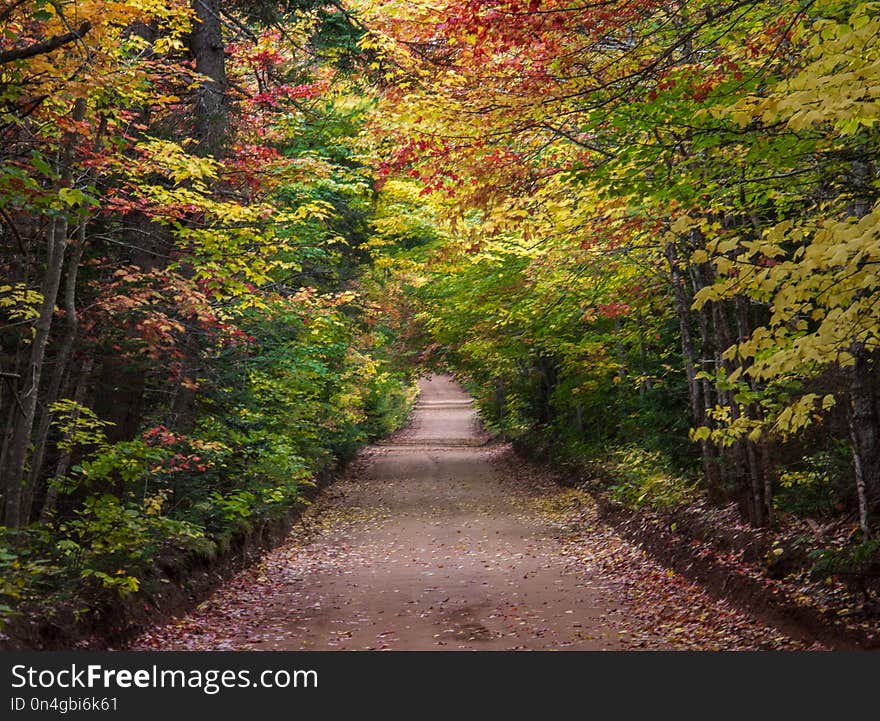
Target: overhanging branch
(47, 46)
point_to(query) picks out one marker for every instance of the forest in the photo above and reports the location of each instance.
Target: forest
(645, 236)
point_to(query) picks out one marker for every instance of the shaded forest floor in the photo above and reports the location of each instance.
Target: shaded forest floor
(437, 540)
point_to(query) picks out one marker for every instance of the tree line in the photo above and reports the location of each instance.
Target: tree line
(664, 233)
(185, 341)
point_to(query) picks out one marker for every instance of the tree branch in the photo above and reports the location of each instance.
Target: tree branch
(14, 230)
(47, 46)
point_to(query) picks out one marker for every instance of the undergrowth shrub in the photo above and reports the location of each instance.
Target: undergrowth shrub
(816, 486)
(642, 478)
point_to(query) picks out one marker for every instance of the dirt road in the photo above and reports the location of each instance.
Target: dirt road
(437, 539)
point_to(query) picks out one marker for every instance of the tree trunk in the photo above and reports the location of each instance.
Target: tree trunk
(59, 371)
(760, 500)
(211, 117)
(863, 426)
(863, 417)
(712, 470)
(210, 131)
(736, 461)
(63, 464)
(682, 307)
(500, 400)
(24, 419)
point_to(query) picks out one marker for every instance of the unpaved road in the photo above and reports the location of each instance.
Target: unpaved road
(437, 539)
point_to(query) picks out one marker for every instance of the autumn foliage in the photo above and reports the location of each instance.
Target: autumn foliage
(183, 346)
(661, 226)
(232, 232)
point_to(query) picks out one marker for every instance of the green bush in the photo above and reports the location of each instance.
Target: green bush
(113, 543)
(815, 486)
(857, 564)
(646, 478)
(29, 566)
